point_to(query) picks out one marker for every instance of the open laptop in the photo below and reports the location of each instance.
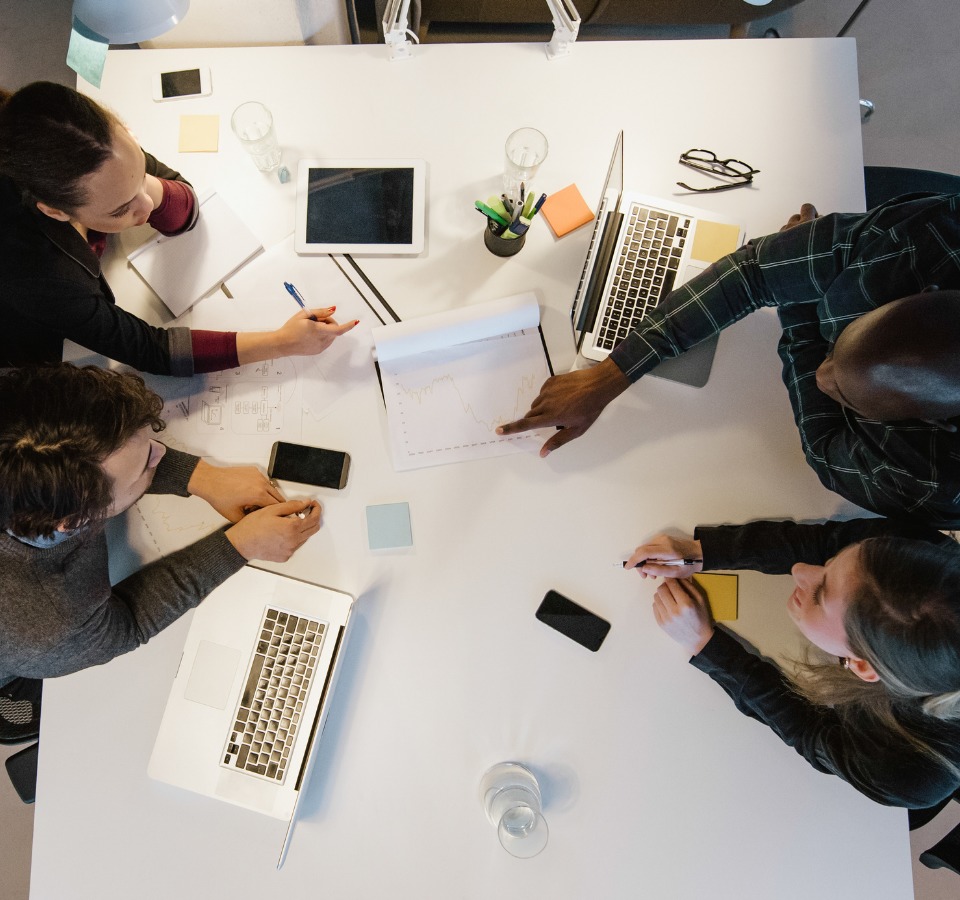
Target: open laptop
(641, 248)
(251, 694)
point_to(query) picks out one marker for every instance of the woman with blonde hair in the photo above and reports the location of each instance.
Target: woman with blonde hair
(882, 598)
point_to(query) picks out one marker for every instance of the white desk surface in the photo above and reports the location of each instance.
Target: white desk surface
(654, 784)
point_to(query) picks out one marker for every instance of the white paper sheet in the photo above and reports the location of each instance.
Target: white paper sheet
(450, 380)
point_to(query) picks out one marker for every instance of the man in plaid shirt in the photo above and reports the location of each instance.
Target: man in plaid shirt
(894, 447)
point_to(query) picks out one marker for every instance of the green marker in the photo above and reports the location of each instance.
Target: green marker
(491, 213)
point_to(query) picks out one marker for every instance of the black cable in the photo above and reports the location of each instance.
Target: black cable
(852, 18)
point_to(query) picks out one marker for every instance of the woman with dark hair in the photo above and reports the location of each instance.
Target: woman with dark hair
(70, 174)
(882, 598)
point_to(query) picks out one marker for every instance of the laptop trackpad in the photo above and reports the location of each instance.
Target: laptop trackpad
(212, 674)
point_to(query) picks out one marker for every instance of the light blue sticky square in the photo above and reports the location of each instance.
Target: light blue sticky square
(87, 53)
(388, 526)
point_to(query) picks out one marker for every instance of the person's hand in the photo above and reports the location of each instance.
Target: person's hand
(681, 610)
(233, 490)
(302, 336)
(274, 532)
(808, 212)
(572, 402)
(666, 548)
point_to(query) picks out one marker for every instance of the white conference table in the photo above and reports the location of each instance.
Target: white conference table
(654, 785)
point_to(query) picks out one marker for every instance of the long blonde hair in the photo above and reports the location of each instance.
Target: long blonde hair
(904, 619)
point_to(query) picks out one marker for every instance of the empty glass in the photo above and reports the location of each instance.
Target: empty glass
(252, 123)
(511, 800)
(525, 149)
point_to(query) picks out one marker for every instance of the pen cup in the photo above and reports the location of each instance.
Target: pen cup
(501, 246)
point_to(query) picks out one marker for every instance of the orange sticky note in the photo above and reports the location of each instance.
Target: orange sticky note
(566, 210)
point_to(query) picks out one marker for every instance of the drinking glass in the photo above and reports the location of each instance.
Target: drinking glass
(525, 149)
(511, 800)
(252, 123)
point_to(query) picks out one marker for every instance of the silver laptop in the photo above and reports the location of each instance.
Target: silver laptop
(251, 695)
(641, 248)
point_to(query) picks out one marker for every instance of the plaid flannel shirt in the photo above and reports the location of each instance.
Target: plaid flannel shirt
(821, 276)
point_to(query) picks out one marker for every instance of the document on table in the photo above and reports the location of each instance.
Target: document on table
(259, 302)
(450, 379)
(186, 267)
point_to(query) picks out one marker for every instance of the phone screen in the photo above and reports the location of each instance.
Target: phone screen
(309, 465)
(180, 84)
(573, 620)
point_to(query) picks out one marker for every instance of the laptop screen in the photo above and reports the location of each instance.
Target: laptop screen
(587, 298)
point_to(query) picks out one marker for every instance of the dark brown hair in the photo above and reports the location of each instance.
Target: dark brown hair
(51, 137)
(904, 619)
(58, 423)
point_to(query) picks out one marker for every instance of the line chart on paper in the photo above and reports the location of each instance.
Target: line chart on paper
(445, 405)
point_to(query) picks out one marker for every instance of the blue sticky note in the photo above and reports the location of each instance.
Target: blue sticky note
(87, 53)
(388, 526)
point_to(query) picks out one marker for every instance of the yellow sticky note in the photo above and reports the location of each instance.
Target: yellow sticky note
(721, 591)
(566, 210)
(199, 134)
(713, 240)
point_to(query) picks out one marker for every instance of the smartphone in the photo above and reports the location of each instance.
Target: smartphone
(309, 465)
(178, 85)
(573, 620)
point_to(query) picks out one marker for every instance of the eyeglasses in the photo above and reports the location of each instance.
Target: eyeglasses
(706, 161)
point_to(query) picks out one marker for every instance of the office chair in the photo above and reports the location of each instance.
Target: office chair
(883, 183)
(20, 722)
(945, 854)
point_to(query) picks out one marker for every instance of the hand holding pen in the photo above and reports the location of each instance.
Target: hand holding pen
(310, 331)
(667, 557)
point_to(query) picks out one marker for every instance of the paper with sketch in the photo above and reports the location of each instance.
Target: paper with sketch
(188, 266)
(260, 302)
(450, 379)
(234, 415)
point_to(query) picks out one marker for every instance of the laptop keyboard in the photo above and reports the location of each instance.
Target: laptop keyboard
(652, 243)
(271, 707)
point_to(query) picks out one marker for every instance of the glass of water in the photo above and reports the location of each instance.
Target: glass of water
(511, 800)
(252, 123)
(524, 150)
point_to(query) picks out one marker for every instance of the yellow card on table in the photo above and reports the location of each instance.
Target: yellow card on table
(721, 591)
(199, 134)
(713, 240)
(566, 210)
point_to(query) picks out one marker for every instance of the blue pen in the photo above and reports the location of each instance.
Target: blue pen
(537, 205)
(293, 292)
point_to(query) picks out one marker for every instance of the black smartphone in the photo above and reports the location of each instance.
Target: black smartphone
(309, 465)
(572, 620)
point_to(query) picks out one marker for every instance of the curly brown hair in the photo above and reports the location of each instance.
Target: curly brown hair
(58, 423)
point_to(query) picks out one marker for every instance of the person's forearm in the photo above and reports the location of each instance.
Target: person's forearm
(256, 346)
(729, 290)
(774, 547)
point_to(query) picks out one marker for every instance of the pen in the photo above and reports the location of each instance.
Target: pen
(491, 213)
(537, 205)
(528, 206)
(293, 292)
(689, 561)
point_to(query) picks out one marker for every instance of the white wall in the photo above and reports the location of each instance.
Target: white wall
(237, 23)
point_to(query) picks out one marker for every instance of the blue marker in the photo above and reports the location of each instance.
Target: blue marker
(293, 292)
(538, 204)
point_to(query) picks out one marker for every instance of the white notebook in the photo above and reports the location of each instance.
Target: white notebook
(186, 267)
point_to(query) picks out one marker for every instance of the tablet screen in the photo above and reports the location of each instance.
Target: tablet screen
(360, 206)
(367, 206)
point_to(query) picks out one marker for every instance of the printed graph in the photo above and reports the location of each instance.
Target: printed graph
(446, 404)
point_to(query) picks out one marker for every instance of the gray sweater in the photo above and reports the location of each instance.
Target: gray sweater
(59, 613)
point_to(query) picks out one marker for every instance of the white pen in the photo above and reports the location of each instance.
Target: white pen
(689, 561)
